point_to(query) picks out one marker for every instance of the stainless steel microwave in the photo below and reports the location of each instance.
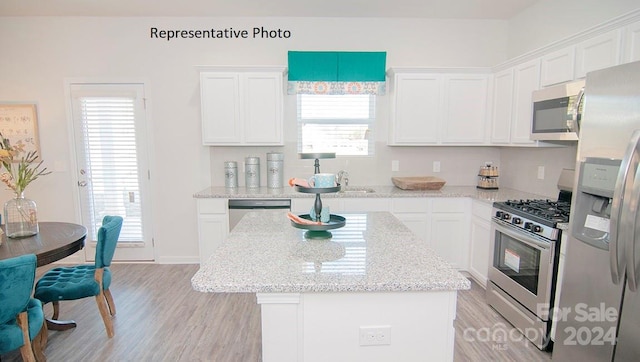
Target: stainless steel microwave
(557, 111)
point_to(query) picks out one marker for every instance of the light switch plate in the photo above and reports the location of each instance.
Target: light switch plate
(436, 166)
(395, 165)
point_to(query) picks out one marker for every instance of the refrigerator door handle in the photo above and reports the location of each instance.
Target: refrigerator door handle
(621, 222)
(630, 247)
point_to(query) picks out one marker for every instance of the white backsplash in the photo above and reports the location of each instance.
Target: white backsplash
(459, 166)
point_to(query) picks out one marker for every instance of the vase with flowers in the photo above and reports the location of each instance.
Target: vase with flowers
(19, 170)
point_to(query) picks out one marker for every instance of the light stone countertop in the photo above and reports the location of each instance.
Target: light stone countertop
(373, 252)
(287, 192)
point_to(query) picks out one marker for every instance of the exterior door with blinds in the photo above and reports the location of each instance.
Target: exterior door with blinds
(109, 131)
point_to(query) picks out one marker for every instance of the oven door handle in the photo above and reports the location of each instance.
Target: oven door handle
(543, 245)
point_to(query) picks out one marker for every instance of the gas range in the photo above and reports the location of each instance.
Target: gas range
(537, 217)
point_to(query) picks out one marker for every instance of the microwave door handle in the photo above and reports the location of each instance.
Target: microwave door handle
(620, 224)
(574, 126)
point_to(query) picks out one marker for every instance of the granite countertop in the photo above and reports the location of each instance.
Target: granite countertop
(473, 192)
(373, 252)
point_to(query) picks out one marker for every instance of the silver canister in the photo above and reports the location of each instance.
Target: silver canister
(275, 162)
(231, 174)
(252, 172)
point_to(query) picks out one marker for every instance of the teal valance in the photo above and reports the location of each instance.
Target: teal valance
(325, 72)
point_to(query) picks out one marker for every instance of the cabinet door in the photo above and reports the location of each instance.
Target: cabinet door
(213, 225)
(416, 109)
(600, 52)
(450, 238)
(450, 230)
(502, 107)
(417, 223)
(632, 47)
(414, 214)
(526, 80)
(262, 108)
(557, 67)
(465, 109)
(220, 97)
(480, 242)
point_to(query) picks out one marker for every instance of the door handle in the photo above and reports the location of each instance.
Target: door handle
(82, 183)
(630, 245)
(621, 221)
(574, 126)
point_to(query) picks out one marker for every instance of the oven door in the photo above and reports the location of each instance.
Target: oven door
(522, 266)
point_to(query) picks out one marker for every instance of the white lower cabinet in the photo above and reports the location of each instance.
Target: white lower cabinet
(213, 225)
(444, 223)
(449, 235)
(480, 241)
(414, 214)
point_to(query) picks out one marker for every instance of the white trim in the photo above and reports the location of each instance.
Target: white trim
(612, 24)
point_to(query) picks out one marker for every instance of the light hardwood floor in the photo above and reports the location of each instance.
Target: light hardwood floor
(161, 318)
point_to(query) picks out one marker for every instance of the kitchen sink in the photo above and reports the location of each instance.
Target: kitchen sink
(357, 190)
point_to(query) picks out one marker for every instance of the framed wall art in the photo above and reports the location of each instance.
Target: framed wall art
(19, 124)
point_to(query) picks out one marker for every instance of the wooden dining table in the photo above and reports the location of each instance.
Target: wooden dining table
(54, 241)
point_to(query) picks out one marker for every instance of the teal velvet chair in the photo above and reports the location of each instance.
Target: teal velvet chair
(21, 317)
(82, 281)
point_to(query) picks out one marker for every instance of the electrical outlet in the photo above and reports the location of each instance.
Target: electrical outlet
(395, 165)
(540, 172)
(375, 335)
(436, 166)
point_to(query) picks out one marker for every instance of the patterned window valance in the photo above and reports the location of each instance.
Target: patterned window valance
(337, 72)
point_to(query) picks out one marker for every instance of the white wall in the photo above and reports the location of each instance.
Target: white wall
(40, 53)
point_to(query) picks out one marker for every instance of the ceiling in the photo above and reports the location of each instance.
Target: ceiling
(435, 9)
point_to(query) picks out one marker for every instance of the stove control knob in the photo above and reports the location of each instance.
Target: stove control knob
(499, 214)
(536, 228)
(527, 225)
(505, 216)
(516, 220)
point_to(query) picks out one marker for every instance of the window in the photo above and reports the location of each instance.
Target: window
(336, 123)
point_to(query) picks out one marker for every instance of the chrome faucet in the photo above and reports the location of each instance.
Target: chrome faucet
(343, 176)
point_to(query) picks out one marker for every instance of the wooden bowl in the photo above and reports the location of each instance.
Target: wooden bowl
(418, 183)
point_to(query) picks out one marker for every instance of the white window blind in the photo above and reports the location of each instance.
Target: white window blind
(111, 163)
(336, 123)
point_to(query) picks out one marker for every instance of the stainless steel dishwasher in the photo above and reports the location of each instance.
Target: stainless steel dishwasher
(239, 207)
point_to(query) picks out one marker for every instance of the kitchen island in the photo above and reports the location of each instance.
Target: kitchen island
(373, 292)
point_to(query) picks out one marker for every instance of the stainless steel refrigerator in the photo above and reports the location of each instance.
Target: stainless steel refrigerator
(598, 316)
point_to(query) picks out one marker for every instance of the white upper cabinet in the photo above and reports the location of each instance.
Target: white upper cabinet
(416, 109)
(632, 43)
(242, 108)
(434, 107)
(502, 107)
(558, 67)
(599, 52)
(526, 80)
(465, 108)
(512, 105)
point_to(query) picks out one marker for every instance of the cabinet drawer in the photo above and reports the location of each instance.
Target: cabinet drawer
(417, 205)
(212, 206)
(447, 204)
(481, 209)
